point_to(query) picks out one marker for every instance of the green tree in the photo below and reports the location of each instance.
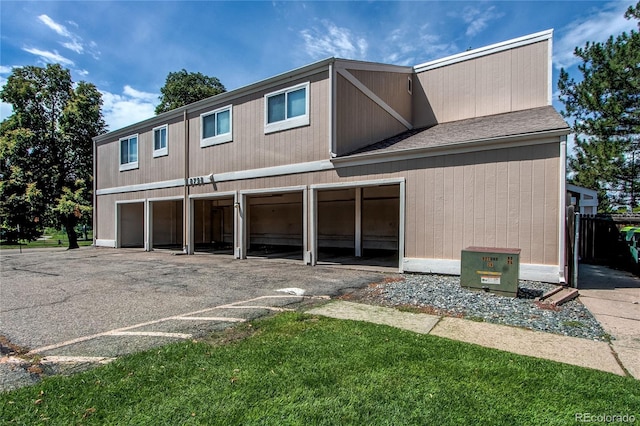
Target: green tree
(183, 88)
(605, 109)
(46, 152)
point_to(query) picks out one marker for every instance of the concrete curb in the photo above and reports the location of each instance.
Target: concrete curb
(564, 349)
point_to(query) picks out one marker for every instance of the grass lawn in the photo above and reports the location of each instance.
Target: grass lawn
(305, 370)
(51, 238)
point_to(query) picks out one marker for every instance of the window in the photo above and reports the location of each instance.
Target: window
(129, 153)
(286, 109)
(160, 141)
(409, 85)
(216, 127)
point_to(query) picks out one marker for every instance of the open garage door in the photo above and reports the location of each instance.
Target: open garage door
(213, 225)
(167, 224)
(359, 226)
(275, 225)
(130, 225)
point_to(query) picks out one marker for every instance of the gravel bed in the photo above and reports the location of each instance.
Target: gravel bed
(443, 295)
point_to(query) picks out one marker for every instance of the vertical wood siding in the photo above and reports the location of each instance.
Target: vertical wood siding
(506, 81)
(149, 169)
(251, 148)
(359, 120)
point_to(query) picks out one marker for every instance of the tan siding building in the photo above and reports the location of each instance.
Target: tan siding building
(343, 161)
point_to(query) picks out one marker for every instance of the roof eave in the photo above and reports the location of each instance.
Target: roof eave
(532, 138)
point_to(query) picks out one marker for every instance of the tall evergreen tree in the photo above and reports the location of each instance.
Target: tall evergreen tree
(46, 152)
(182, 88)
(605, 108)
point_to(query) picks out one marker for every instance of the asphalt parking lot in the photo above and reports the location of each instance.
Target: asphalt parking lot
(99, 303)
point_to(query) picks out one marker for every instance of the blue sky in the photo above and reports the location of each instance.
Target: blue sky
(127, 48)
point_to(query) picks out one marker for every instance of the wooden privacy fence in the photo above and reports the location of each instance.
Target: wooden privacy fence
(599, 239)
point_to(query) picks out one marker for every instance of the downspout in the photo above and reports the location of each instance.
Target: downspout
(95, 199)
(332, 110)
(185, 203)
(562, 209)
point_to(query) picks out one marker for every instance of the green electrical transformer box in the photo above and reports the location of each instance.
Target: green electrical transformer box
(490, 269)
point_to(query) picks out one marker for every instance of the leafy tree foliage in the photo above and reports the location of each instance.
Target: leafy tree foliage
(605, 107)
(46, 152)
(183, 88)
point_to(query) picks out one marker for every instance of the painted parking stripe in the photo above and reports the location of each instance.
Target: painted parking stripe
(224, 319)
(174, 317)
(151, 334)
(59, 359)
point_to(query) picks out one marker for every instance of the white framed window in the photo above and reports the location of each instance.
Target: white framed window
(287, 108)
(129, 153)
(216, 126)
(160, 141)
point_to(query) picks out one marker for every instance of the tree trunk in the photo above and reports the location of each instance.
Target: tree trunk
(69, 224)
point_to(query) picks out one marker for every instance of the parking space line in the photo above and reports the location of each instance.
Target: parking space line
(234, 305)
(150, 333)
(58, 359)
(223, 319)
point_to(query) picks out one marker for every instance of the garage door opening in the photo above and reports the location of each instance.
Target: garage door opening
(359, 226)
(213, 225)
(167, 224)
(275, 225)
(130, 224)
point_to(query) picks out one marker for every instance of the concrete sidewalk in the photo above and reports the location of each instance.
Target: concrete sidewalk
(613, 297)
(569, 350)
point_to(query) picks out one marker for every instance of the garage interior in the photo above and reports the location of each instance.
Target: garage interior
(167, 224)
(359, 226)
(213, 225)
(275, 225)
(130, 225)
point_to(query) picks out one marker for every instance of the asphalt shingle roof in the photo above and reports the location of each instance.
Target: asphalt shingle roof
(473, 129)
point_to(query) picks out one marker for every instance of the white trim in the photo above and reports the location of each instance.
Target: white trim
(562, 210)
(358, 222)
(105, 243)
(287, 123)
(550, 70)
(528, 271)
(372, 66)
(278, 190)
(402, 230)
(162, 151)
(289, 169)
(360, 183)
(141, 187)
(222, 137)
(486, 50)
(132, 164)
(213, 195)
(375, 98)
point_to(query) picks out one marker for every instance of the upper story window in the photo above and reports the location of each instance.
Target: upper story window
(129, 153)
(216, 126)
(287, 108)
(160, 135)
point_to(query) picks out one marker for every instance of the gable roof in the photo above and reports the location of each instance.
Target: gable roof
(511, 124)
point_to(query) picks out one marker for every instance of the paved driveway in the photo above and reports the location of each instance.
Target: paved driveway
(99, 302)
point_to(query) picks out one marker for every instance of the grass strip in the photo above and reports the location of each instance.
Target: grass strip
(298, 369)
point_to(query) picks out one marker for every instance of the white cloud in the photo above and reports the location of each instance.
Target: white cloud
(404, 47)
(4, 70)
(74, 42)
(478, 19)
(58, 28)
(596, 28)
(49, 57)
(331, 40)
(132, 106)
